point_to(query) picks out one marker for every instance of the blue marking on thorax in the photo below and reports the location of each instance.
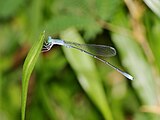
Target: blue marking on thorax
(50, 39)
(55, 41)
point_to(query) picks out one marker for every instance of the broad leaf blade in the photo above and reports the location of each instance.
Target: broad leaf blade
(28, 66)
(86, 73)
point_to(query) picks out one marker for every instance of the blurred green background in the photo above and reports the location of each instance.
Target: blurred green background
(69, 85)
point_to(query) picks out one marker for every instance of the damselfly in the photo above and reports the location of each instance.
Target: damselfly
(91, 49)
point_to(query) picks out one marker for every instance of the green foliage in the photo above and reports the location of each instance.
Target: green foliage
(106, 8)
(135, 56)
(60, 23)
(68, 84)
(9, 7)
(28, 68)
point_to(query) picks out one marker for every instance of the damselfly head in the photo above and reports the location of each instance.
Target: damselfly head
(46, 46)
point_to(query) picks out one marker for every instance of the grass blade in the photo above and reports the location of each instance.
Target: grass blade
(28, 66)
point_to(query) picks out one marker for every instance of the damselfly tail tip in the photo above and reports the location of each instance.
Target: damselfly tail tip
(131, 78)
(128, 76)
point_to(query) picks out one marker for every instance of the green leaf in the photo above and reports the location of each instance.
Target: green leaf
(87, 74)
(28, 66)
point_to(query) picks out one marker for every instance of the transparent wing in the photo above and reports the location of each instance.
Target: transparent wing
(97, 50)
